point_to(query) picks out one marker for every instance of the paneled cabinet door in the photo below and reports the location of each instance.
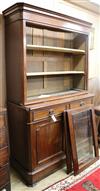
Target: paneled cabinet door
(49, 139)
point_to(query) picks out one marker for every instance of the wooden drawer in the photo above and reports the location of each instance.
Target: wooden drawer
(3, 156)
(45, 113)
(84, 102)
(3, 137)
(4, 176)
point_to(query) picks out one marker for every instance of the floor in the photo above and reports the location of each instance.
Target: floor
(18, 185)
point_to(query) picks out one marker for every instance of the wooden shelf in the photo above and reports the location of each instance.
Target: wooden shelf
(55, 49)
(29, 74)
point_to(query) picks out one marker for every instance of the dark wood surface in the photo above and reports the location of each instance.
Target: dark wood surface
(41, 143)
(40, 139)
(97, 112)
(22, 16)
(36, 127)
(31, 10)
(83, 137)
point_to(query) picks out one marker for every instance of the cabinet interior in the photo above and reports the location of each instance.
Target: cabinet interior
(55, 62)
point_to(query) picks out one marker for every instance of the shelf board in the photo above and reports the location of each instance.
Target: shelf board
(55, 49)
(29, 74)
(63, 93)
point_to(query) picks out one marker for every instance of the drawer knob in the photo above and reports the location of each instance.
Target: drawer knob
(52, 115)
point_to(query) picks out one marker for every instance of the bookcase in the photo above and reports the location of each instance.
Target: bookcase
(47, 72)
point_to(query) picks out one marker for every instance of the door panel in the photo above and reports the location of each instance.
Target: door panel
(49, 140)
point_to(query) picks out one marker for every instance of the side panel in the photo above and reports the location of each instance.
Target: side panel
(14, 62)
(17, 118)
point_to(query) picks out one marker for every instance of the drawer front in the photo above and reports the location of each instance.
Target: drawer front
(3, 137)
(84, 102)
(45, 113)
(4, 176)
(3, 156)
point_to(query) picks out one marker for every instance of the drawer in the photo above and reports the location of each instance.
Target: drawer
(3, 137)
(45, 113)
(4, 176)
(84, 102)
(4, 156)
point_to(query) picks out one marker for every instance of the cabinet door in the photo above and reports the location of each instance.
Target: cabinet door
(83, 137)
(49, 140)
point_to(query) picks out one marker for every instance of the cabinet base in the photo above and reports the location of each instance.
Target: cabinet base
(6, 187)
(31, 177)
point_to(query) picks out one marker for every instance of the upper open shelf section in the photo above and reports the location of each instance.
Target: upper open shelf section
(56, 61)
(50, 54)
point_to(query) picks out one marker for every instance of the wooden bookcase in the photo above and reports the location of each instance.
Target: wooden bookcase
(47, 72)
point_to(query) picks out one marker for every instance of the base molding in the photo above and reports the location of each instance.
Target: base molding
(6, 187)
(31, 177)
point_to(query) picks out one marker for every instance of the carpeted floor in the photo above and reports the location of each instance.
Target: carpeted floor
(74, 183)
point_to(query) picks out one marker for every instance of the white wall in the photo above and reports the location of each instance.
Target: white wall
(75, 11)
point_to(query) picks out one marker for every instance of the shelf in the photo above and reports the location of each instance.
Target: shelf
(55, 49)
(64, 93)
(29, 74)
